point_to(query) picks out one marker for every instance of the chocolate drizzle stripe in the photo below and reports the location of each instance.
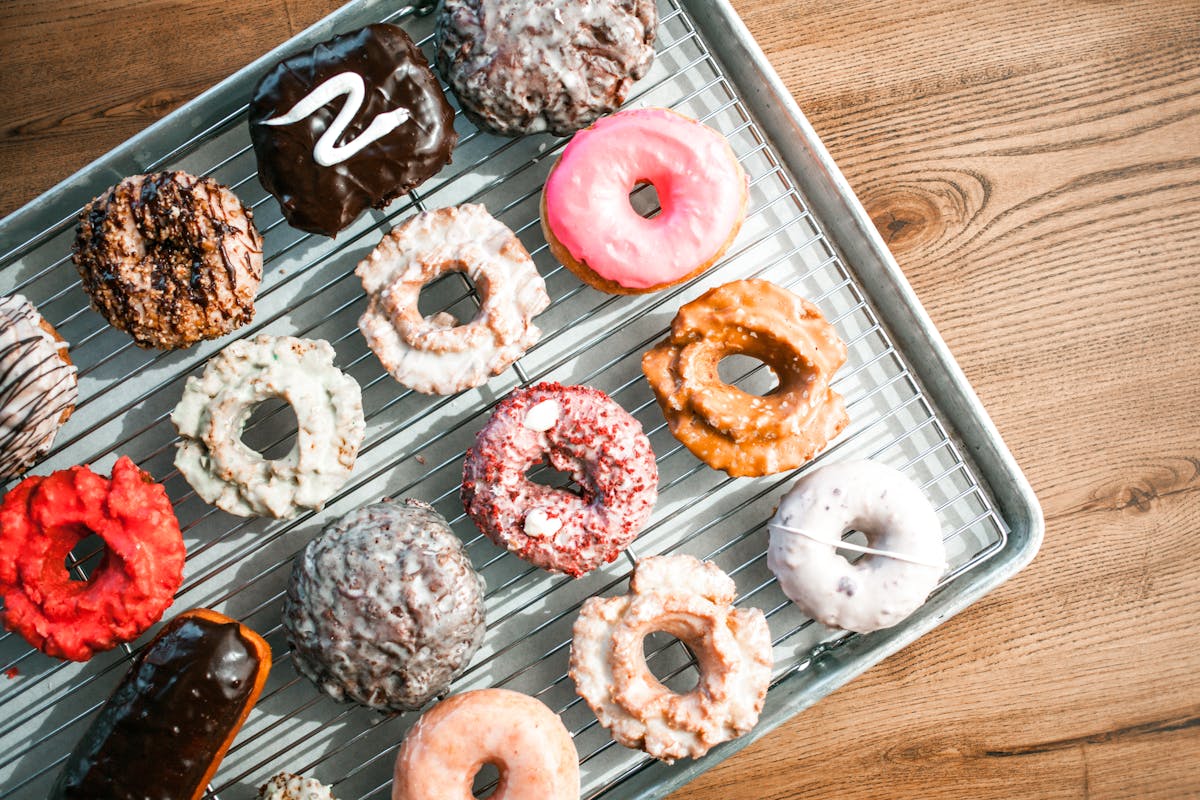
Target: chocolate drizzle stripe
(37, 387)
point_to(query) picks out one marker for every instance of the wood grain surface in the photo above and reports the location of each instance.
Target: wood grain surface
(1035, 167)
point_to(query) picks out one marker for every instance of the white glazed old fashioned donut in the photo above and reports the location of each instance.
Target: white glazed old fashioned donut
(526, 742)
(691, 600)
(440, 354)
(214, 408)
(903, 561)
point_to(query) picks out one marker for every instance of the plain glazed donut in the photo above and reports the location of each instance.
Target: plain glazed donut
(581, 431)
(214, 408)
(691, 600)
(43, 518)
(519, 735)
(440, 354)
(881, 588)
(725, 427)
(596, 233)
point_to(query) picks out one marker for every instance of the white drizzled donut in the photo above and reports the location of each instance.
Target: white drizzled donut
(904, 558)
(38, 385)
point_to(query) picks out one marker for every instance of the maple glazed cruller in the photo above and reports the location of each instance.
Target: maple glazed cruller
(725, 427)
(169, 258)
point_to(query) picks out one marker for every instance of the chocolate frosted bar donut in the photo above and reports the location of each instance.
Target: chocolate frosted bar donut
(167, 726)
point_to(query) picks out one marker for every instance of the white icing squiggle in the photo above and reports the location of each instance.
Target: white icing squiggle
(327, 151)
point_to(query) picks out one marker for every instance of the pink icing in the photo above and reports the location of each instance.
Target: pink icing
(700, 186)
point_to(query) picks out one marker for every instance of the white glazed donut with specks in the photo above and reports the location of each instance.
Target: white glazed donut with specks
(879, 589)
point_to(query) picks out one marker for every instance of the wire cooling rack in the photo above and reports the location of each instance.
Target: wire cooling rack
(414, 444)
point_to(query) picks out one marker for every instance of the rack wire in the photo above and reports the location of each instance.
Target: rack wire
(414, 444)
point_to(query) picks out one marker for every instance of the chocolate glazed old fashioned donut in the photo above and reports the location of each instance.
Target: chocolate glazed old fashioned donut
(725, 427)
(525, 66)
(349, 125)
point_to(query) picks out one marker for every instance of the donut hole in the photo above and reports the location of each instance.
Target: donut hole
(270, 429)
(749, 374)
(670, 661)
(487, 780)
(853, 538)
(449, 300)
(544, 474)
(85, 557)
(645, 200)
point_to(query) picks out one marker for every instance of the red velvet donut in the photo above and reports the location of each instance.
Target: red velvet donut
(43, 518)
(581, 431)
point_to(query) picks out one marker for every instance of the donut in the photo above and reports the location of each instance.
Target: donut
(215, 406)
(520, 736)
(527, 66)
(440, 354)
(286, 786)
(691, 600)
(41, 521)
(349, 125)
(38, 385)
(904, 559)
(725, 427)
(165, 729)
(384, 607)
(595, 232)
(578, 430)
(169, 258)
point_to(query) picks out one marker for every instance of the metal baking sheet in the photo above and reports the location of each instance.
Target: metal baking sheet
(910, 407)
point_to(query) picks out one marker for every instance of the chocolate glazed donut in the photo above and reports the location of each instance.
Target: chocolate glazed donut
(349, 125)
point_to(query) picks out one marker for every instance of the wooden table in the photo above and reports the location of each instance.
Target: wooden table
(1035, 168)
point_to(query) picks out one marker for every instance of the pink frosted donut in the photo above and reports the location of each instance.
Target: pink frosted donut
(581, 431)
(520, 736)
(596, 233)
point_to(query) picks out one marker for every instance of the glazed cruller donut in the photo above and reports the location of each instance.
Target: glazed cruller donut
(725, 427)
(691, 600)
(439, 354)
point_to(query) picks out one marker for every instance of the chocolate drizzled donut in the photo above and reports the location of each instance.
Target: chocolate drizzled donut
(169, 258)
(349, 125)
(37, 385)
(526, 66)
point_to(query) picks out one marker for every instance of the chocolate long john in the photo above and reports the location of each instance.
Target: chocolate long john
(167, 726)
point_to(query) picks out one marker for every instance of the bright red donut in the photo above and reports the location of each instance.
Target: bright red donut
(578, 430)
(43, 518)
